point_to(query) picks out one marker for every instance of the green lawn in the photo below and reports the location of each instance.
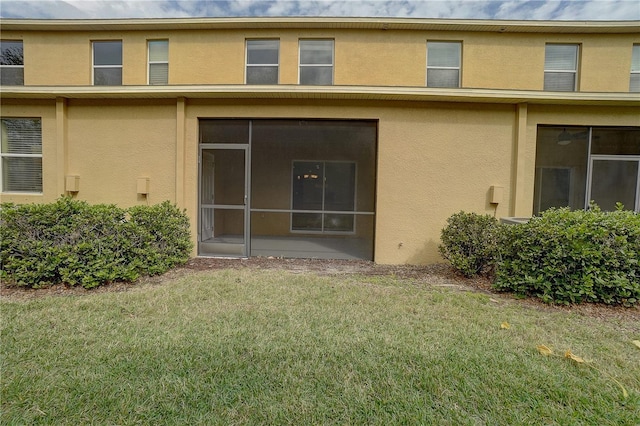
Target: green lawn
(274, 347)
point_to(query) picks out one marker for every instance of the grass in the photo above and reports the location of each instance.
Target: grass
(272, 347)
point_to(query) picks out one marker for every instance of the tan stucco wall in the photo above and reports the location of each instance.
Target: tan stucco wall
(516, 61)
(384, 58)
(111, 144)
(433, 159)
(606, 63)
(67, 57)
(362, 57)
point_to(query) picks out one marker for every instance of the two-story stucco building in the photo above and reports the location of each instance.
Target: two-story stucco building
(322, 137)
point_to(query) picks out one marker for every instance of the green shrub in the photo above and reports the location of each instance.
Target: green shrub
(165, 233)
(76, 243)
(568, 256)
(470, 243)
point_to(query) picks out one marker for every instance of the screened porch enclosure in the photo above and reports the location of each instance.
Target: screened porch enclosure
(287, 188)
(578, 165)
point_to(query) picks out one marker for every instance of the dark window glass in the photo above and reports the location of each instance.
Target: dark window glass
(614, 182)
(262, 75)
(316, 75)
(107, 63)
(616, 141)
(224, 131)
(11, 63)
(11, 53)
(107, 76)
(562, 156)
(107, 53)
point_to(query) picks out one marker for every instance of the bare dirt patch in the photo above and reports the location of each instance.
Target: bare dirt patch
(440, 275)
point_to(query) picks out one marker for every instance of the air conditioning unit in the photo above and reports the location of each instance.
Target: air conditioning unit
(514, 220)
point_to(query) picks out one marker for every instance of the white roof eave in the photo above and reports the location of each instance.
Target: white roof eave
(364, 93)
(240, 23)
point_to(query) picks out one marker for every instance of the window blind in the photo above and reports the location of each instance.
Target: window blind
(443, 54)
(561, 57)
(158, 51)
(443, 63)
(21, 152)
(158, 62)
(634, 79)
(560, 67)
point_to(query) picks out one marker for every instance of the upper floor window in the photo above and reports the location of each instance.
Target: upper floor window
(11, 63)
(262, 61)
(561, 67)
(158, 61)
(316, 62)
(21, 155)
(443, 63)
(634, 80)
(107, 63)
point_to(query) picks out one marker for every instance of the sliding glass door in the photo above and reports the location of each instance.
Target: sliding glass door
(615, 179)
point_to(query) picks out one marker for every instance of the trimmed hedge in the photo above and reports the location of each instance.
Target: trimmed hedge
(561, 256)
(470, 243)
(578, 256)
(72, 242)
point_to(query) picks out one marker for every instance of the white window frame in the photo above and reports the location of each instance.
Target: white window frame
(322, 211)
(262, 65)
(574, 71)
(4, 155)
(331, 64)
(150, 62)
(94, 66)
(21, 66)
(635, 72)
(436, 67)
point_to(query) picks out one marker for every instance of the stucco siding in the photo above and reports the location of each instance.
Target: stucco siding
(435, 161)
(437, 150)
(362, 57)
(113, 143)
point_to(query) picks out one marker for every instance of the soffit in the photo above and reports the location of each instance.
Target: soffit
(357, 93)
(473, 25)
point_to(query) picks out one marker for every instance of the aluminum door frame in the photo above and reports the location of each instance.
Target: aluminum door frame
(247, 190)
